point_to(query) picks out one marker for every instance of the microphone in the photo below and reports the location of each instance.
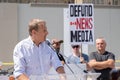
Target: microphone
(50, 45)
(60, 56)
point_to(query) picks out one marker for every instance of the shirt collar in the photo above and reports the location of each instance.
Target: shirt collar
(30, 39)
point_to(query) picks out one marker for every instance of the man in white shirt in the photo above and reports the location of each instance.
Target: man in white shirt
(33, 56)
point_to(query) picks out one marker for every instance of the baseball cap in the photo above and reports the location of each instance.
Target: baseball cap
(56, 41)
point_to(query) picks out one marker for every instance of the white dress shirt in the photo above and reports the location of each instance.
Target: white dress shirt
(33, 60)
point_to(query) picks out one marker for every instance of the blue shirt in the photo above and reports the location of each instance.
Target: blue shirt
(33, 60)
(76, 59)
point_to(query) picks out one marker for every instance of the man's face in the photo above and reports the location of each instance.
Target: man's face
(42, 32)
(75, 48)
(57, 46)
(100, 45)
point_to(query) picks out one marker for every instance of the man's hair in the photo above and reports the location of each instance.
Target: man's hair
(101, 38)
(34, 24)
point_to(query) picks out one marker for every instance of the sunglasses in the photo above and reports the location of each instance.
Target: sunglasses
(76, 46)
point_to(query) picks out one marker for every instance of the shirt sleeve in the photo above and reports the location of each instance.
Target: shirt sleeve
(86, 57)
(19, 62)
(111, 56)
(55, 60)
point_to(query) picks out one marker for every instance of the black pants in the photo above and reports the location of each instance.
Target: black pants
(105, 78)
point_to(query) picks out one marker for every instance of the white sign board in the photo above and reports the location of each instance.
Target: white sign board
(81, 23)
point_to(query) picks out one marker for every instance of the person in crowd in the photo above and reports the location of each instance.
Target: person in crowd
(56, 45)
(102, 61)
(1, 64)
(77, 56)
(115, 74)
(33, 56)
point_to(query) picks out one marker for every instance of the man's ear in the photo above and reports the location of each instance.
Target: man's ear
(33, 32)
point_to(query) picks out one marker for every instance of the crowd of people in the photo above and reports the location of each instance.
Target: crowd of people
(35, 56)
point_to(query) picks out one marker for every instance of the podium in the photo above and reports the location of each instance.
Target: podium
(53, 77)
(88, 76)
(72, 72)
(2, 77)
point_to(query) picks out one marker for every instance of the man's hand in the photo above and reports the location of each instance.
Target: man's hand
(61, 72)
(101, 65)
(22, 77)
(82, 60)
(63, 77)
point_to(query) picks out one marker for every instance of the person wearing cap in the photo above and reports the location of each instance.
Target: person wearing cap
(76, 56)
(1, 64)
(56, 45)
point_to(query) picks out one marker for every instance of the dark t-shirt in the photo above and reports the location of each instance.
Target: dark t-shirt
(102, 57)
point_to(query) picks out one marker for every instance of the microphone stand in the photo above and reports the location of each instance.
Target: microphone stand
(71, 71)
(85, 71)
